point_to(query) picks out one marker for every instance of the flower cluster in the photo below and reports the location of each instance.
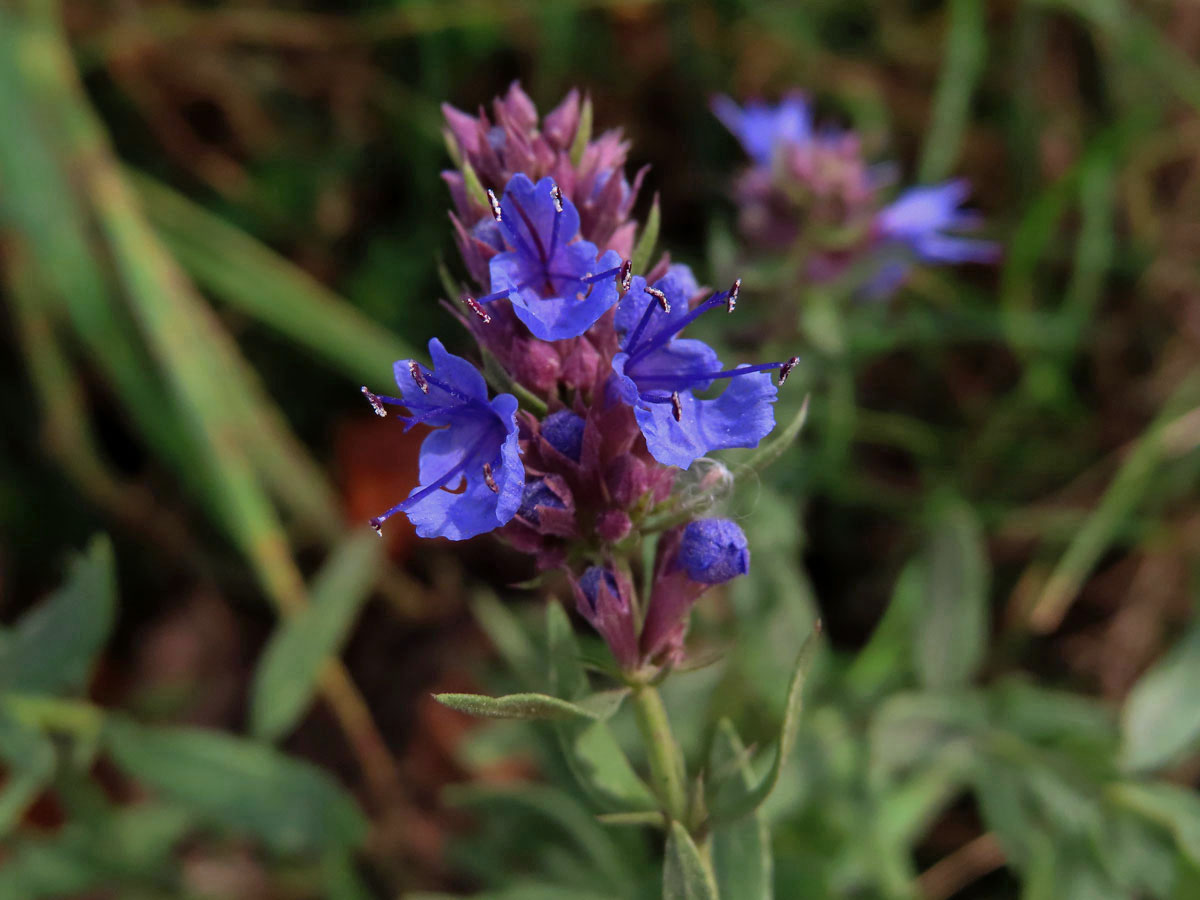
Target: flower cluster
(615, 398)
(812, 187)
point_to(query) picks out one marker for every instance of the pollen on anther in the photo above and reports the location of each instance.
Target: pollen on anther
(676, 406)
(376, 403)
(414, 369)
(556, 195)
(660, 297)
(477, 308)
(625, 276)
(377, 525)
(732, 299)
(490, 479)
(491, 195)
(786, 369)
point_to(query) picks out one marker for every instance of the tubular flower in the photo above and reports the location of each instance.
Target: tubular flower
(660, 375)
(761, 127)
(555, 282)
(602, 597)
(691, 559)
(475, 441)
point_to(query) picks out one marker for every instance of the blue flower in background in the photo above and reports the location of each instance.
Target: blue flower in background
(761, 127)
(660, 375)
(475, 441)
(555, 282)
(922, 221)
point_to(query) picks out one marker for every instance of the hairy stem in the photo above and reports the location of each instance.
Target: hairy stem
(666, 761)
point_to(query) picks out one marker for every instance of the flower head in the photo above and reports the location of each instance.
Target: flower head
(761, 127)
(661, 375)
(475, 441)
(555, 282)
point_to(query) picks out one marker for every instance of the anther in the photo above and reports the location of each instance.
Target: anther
(625, 275)
(731, 300)
(660, 297)
(489, 479)
(556, 196)
(786, 369)
(415, 371)
(378, 526)
(495, 205)
(676, 406)
(376, 403)
(478, 309)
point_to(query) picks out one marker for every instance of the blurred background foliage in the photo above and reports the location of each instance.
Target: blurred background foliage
(217, 220)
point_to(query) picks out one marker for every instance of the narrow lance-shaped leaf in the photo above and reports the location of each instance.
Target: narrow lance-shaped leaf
(52, 648)
(647, 239)
(515, 706)
(685, 876)
(1161, 717)
(951, 629)
(287, 677)
(741, 849)
(733, 805)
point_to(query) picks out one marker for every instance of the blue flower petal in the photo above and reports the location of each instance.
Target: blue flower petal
(740, 416)
(560, 317)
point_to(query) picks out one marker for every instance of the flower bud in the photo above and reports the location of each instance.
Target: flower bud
(563, 430)
(713, 551)
(602, 597)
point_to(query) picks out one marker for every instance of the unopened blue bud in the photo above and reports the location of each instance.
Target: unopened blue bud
(713, 551)
(563, 430)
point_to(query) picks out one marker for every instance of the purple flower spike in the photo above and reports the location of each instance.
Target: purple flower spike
(557, 286)
(475, 440)
(761, 127)
(603, 599)
(659, 375)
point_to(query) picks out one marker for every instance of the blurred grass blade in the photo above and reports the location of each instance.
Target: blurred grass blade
(685, 876)
(1120, 501)
(228, 782)
(950, 632)
(963, 61)
(286, 679)
(730, 805)
(258, 282)
(54, 646)
(767, 453)
(1161, 718)
(29, 760)
(741, 850)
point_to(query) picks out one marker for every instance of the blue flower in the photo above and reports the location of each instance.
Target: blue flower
(557, 286)
(475, 440)
(713, 551)
(660, 375)
(761, 127)
(920, 223)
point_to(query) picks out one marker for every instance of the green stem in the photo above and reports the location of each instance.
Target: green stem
(666, 761)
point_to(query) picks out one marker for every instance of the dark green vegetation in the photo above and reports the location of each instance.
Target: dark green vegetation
(218, 220)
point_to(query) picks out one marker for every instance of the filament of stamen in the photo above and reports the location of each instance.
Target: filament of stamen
(440, 482)
(631, 343)
(693, 377)
(667, 333)
(533, 232)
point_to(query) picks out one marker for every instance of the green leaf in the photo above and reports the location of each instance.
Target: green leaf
(1161, 717)
(1169, 806)
(731, 805)
(52, 648)
(951, 629)
(885, 660)
(583, 133)
(741, 849)
(508, 636)
(287, 676)
(684, 874)
(966, 50)
(232, 783)
(514, 706)
(29, 759)
(647, 240)
(592, 753)
(473, 186)
(769, 452)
